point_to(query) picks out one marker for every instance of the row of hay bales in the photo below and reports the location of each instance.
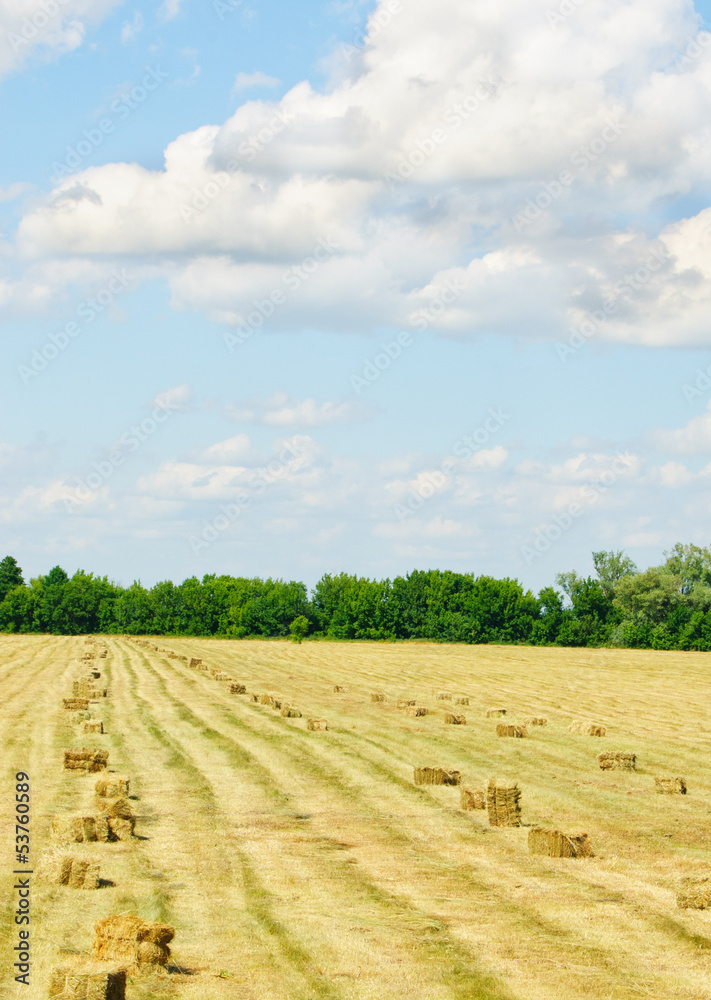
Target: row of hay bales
(124, 944)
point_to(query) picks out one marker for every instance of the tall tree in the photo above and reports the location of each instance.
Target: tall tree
(10, 576)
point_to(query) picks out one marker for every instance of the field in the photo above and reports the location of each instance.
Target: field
(298, 864)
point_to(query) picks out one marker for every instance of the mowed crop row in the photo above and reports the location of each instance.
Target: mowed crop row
(307, 864)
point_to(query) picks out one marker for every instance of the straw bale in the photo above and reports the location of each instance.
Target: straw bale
(95, 675)
(461, 699)
(406, 702)
(471, 799)
(377, 698)
(128, 939)
(121, 828)
(254, 698)
(112, 786)
(555, 844)
(86, 759)
(92, 726)
(290, 713)
(222, 676)
(444, 696)
(694, 892)
(316, 724)
(238, 689)
(415, 711)
(587, 728)
(508, 729)
(113, 807)
(454, 720)
(203, 667)
(276, 704)
(63, 868)
(104, 653)
(503, 802)
(495, 713)
(79, 717)
(76, 704)
(77, 829)
(101, 984)
(670, 786)
(617, 760)
(436, 776)
(337, 689)
(535, 720)
(266, 699)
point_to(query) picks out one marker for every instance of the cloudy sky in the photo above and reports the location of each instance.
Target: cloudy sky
(288, 289)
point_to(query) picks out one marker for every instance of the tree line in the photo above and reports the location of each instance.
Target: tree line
(663, 607)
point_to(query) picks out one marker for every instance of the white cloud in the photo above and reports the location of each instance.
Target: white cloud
(246, 81)
(170, 9)
(179, 398)
(693, 439)
(281, 410)
(132, 28)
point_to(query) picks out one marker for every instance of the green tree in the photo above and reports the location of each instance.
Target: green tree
(611, 567)
(10, 576)
(298, 628)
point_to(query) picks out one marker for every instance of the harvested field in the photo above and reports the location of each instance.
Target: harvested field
(309, 865)
(454, 720)
(555, 844)
(508, 729)
(617, 760)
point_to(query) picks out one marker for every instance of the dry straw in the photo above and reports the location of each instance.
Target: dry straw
(406, 702)
(290, 713)
(471, 799)
(587, 729)
(495, 713)
(73, 984)
(92, 726)
(238, 689)
(555, 844)
(76, 704)
(461, 699)
(112, 786)
(503, 801)
(444, 696)
(316, 724)
(694, 892)
(266, 699)
(508, 729)
(79, 829)
(86, 759)
(454, 720)
(195, 661)
(436, 776)
(132, 942)
(377, 697)
(670, 786)
(617, 760)
(416, 712)
(63, 868)
(337, 689)
(535, 720)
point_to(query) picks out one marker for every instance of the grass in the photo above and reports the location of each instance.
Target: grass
(307, 866)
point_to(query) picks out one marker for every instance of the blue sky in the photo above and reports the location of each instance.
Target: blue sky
(265, 270)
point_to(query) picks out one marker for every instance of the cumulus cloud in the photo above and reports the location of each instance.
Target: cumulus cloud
(246, 81)
(692, 439)
(281, 410)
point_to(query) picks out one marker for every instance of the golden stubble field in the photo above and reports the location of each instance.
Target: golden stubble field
(299, 864)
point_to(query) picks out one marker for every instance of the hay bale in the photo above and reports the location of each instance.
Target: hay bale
(555, 844)
(112, 786)
(436, 776)
(132, 941)
(694, 892)
(337, 689)
(63, 868)
(406, 703)
(444, 696)
(316, 724)
(195, 661)
(79, 717)
(461, 699)
(495, 713)
(535, 720)
(76, 704)
(290, 713)
(377, 698)
(203, 667)
(115, 807)
(416, 711)
(87, 759)
(503, 801)
(77, 829)
(471, 799)
(454, 720)
(92, 726)
(508, 729)
(100, 984)
(266, 699)
(617, 760)
(670, 786)
(120, 828)
(238, 689)
(276, 704)
(95, 675)
(587, 728)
